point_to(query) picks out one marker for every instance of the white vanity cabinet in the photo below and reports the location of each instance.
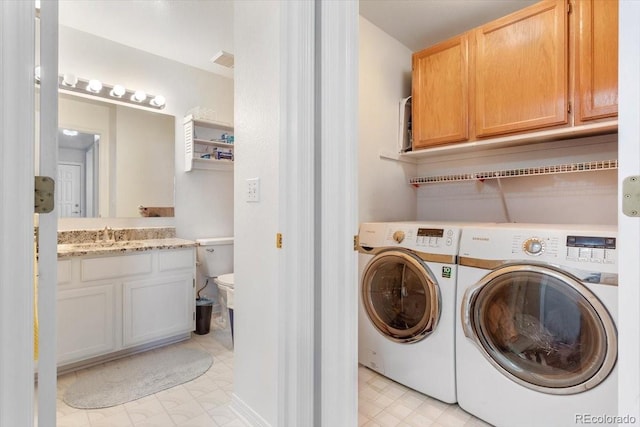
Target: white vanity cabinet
(112, 303)
(207, 144)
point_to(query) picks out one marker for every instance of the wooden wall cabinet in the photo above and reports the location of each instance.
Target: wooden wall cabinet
(596, 59)
(440, 98)
(521, 66)
(514, 75)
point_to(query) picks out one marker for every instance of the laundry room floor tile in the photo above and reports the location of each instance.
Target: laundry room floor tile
(383, 402)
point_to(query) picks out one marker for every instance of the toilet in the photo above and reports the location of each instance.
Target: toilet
(215, 261)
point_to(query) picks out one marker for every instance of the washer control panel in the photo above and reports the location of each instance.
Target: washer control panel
(591, 249)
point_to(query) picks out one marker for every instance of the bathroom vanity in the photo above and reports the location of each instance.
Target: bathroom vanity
(121, 297)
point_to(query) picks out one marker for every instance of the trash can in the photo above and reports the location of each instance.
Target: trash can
(204, 306)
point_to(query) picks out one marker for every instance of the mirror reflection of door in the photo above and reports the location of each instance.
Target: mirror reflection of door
(77, 187)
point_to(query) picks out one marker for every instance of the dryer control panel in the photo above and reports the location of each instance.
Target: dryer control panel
(421, 237)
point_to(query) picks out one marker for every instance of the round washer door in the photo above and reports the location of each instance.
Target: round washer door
(542, 328)
(400, 296)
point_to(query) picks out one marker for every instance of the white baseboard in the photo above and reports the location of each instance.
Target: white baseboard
(245, 412)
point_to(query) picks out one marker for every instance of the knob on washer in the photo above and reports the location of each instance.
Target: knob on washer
(398, 236)
(533, 246)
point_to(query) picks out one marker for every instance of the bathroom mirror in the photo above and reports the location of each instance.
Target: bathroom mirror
(113, 160)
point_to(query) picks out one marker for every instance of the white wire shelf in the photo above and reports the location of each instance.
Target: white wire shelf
(510, 173)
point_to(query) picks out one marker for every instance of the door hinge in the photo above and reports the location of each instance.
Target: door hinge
(356, 242)
(44, 195)
(194, 315)
(569, 107)
(631, 196)
(194, 283)
(279, 240)
(569, 7)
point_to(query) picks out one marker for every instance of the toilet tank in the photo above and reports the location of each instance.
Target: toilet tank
(215, 256)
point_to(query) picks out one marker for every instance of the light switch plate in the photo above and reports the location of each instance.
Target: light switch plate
(253, 190)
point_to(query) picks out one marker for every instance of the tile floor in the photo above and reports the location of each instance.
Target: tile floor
(204, 402)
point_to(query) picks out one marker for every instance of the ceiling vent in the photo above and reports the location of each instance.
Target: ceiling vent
(223, 58)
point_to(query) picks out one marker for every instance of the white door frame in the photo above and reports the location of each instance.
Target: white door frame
(628, 227)
(17, 130)
(318, 333)
(48, 224)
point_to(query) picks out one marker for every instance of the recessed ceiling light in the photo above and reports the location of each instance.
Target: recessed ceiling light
(70, 132)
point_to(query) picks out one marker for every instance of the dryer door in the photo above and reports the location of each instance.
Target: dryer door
(400, 296)
(542, 328)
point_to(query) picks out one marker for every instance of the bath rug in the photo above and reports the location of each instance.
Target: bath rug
(131, 378)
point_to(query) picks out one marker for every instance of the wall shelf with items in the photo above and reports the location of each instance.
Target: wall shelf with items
(208, 144)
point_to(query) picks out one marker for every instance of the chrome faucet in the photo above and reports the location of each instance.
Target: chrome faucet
(107, 235)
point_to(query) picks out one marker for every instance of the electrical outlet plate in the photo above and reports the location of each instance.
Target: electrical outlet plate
(253, 190)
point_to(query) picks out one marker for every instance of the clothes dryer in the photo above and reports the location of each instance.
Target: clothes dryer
(407, 309)
(536, 340)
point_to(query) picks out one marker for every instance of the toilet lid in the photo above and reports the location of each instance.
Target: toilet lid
(225, 280)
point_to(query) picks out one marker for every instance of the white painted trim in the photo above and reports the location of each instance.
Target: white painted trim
(338, 21)
(48, 223)
(17, 107)
(629, 228)
(296, 222)
(244, 411)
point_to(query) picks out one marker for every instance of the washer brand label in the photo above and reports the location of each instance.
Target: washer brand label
(446, 272)
(484, 239)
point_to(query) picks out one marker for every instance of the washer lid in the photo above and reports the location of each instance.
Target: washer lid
(225, 280)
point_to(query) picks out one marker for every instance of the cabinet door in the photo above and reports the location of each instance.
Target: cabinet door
(86, 322)
(596, 82)
(440, 102)
(521, 70)
(157, 308)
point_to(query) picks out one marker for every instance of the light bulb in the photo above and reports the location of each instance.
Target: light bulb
(94, 86)
(158, 101)
(139, 96)
(69, 80)
(118, 91)
(70, 132)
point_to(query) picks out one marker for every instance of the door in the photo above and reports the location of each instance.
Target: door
(521, 70)
(440, 94)
(596, 52)
(400, 296)
(69, 190)
(541, 328)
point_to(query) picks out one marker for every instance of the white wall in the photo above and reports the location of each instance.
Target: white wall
(385, 78)
(204, 199)
(257, 106)
(584, 197)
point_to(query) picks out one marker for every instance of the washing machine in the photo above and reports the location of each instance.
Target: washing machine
(536, 340)
(406, 319)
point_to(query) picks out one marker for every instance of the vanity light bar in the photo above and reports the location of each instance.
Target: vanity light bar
(119, 93)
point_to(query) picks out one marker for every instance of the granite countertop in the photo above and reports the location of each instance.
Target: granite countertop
(68, 250)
